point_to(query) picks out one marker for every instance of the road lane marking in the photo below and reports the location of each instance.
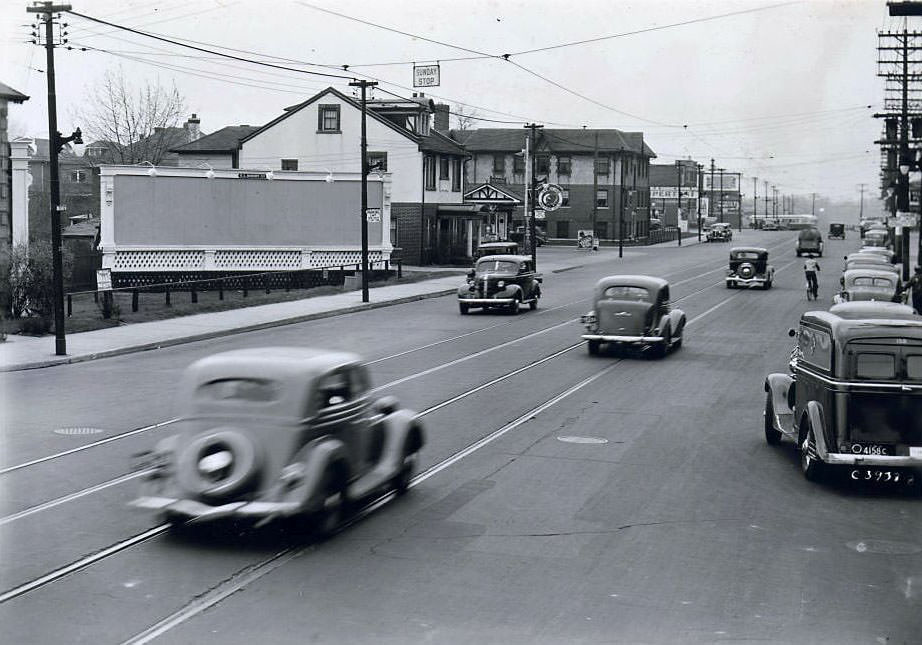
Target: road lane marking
(57, 574)
(88, 446)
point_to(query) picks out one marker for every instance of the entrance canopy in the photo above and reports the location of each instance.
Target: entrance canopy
(488, 194)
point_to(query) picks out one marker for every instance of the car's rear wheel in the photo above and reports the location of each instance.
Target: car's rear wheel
(663, 347)
(772, 436)
(463, 308)
(810, 465)
(593, 346)
(405, 476)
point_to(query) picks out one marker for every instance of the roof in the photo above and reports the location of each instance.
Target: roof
(861, 272)
(506, 257)
(866, 309)
(552, 140)
(277, 362)
(435, 141)
(646, 281)
(86, 228)
(751, 249)
(877, 319)
(496, 245)
(8, 93)
(227, 139)
(864, 256)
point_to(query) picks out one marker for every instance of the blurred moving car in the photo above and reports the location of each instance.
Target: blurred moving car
(496, 248)
(749, 267)
(853, 397)
(869, 284)
(719, 232)
(633, 311)
(501, 282)
(279, 432)
(809, 242)
(836, 232)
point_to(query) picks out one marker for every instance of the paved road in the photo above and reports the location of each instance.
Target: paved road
(673, 523)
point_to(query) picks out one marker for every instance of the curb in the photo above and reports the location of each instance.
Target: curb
(172, 342)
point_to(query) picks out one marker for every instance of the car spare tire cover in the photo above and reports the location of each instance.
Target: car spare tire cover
(746, 270)
(218, 463)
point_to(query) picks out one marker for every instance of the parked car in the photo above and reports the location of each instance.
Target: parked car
(279, 432)
(853, 397)
(496, 248)
(876, 237)
(870, 257)
(869, 284)
(882, 251)
(770, 225)
(870, 263)
(501, 282)
(633, 311)
(749, 267)
(518, 235)
(719, 232)
(809, 242)
(836, 232)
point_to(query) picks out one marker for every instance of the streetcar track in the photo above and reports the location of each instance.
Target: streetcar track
(262, 568)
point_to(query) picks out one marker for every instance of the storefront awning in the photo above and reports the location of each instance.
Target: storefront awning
(459, 209)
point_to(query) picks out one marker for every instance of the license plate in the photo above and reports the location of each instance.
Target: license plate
(878, 476)
(915, 451)
(858, 448)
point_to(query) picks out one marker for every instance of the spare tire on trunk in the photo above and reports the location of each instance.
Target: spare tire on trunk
(217, 464)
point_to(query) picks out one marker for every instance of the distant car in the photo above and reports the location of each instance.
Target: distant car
(882, 251)
(836, 232)
(633, 311)
(869, 256)
(496, 248)
(770, 225)
(853, 397)
(518, 235)
(501, 282)
(877, 237)
(655, 223)
(869, 284)
(809, 242)
(749, 267)
(719, 232)
(279, 432)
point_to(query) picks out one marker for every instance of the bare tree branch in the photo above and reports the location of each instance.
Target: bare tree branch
(465, 117)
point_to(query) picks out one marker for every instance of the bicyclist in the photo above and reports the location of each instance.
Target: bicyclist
(811, 266)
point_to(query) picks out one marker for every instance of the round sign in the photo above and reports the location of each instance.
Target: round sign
(551, 197)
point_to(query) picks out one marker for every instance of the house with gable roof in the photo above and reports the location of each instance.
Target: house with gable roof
(430, 222)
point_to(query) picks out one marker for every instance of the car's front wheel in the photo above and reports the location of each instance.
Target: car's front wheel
(772, 436)
(335, 504)
(463, 307)
(593, 346)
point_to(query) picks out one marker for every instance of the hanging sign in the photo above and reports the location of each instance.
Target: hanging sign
(425, 76)
(551, 197)
(373, 215)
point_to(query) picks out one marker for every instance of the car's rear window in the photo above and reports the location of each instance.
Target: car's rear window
(240, 389)
(873, 282)
(875, 365)
(624, 292)
(485, 266)
(746, 255)
(914, 366)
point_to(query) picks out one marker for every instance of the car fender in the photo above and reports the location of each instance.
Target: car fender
(816, 419)
(677, 321)
(510, 291)
(317, 457)
(779, 385)
(403, 434)
(464, 290)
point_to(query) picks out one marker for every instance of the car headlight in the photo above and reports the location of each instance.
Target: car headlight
(501, 284)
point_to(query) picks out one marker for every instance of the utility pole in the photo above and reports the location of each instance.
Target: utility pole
(595, 185)
(755, 202)
(678, 212)
(530, 229)
(861, 202)
(765, 191)
(721, 214)
(711, 193)
(699, 168)
(55, 142)
(621, 207)
(364, 84)
(775, 202)
(813, 205)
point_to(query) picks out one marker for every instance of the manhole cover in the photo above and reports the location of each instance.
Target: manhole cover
(79, 431)
(886, 547)
(593, 440)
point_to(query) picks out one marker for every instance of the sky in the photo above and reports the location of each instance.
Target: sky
(780, 91)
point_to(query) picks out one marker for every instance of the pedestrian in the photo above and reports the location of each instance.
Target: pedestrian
(915, 282)
(811, 266)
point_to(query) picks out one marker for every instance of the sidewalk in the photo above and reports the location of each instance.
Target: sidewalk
(27, 352)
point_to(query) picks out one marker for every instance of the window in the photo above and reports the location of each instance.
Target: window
(542, 164)
(626, 292)
(563, 165)
(456, 175)
(499, 165)
(255, 390)
(563, 228)
(289, 164)
(443, 167)
(914, 367)
(328, 118)
(601, 198)
(429, 171)
(565, 197)
(78, 176)
(333, 389)
(869, 365)
(601, 166)
(518, 164)
(377, 161)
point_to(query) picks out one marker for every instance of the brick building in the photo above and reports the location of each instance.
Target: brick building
(7, 95)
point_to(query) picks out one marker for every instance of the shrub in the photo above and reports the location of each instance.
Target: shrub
(29, 280)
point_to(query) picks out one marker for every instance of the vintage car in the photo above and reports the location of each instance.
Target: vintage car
(633, 311)
(869, 284)
(876, 237)
(770, 225)
(883, 251)
(501, 282)
(749, 267)
(836, 232)
(279, 432)
(496, 248)
(809, 242)
(853, 398)
(869, 257)
(719, 232)
(865, 263)
(518, 236)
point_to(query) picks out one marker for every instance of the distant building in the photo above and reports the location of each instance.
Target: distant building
(79, 189)
(664, 193)
(606, 170)
(7, 95)
(218, 149)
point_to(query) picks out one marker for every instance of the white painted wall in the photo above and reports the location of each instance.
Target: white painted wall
(223, 160)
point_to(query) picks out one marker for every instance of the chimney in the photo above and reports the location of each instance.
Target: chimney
(193, 131)
(442, 114)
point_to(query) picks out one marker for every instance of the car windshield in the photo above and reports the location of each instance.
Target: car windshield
(239, 389)
(624, 292)
(497, 266)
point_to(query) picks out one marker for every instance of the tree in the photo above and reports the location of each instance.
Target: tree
(132, 124)
(28, 280)
(465, 117)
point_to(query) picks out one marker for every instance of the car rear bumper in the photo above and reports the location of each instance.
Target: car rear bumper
(486, 301)
(634, 340)
(198, 511)
(888, 461)
(746, 281)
